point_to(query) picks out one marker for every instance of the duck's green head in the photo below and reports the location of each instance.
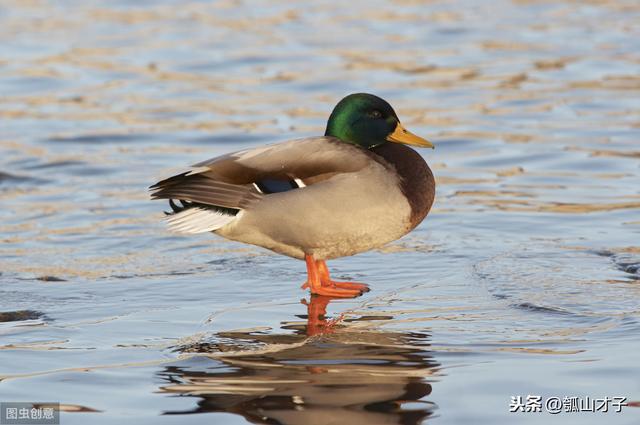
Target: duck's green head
(369, 121)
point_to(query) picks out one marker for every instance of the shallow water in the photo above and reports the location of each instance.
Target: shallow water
(523, 280)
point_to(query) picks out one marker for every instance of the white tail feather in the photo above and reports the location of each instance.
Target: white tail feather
(198, 220)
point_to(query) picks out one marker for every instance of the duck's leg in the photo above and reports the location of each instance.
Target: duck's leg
(325, 278)
(318, 287)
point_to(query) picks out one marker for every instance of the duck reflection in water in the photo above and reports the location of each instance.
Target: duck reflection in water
(323, 372)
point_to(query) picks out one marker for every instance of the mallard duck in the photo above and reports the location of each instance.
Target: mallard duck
(356, 188)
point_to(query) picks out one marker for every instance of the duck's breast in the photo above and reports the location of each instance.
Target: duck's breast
(416, 179)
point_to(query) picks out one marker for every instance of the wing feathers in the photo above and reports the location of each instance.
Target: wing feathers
(205, 190)
(215, 192)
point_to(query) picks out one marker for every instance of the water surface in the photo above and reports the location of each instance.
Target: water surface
(523, 280)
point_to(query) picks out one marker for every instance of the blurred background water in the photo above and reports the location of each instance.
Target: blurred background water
(523, 280)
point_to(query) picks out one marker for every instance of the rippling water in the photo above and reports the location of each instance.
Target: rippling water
(523, 280)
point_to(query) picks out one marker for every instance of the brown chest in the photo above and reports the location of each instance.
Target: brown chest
(416, 179)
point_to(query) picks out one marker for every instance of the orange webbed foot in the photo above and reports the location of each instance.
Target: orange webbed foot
(337, 289)
(319, 282)
(326, 280)
(331, 291)
(362, 287)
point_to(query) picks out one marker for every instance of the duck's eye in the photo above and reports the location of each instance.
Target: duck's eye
(376, 114)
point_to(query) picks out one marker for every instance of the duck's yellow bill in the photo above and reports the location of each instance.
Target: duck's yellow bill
(402, 135)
